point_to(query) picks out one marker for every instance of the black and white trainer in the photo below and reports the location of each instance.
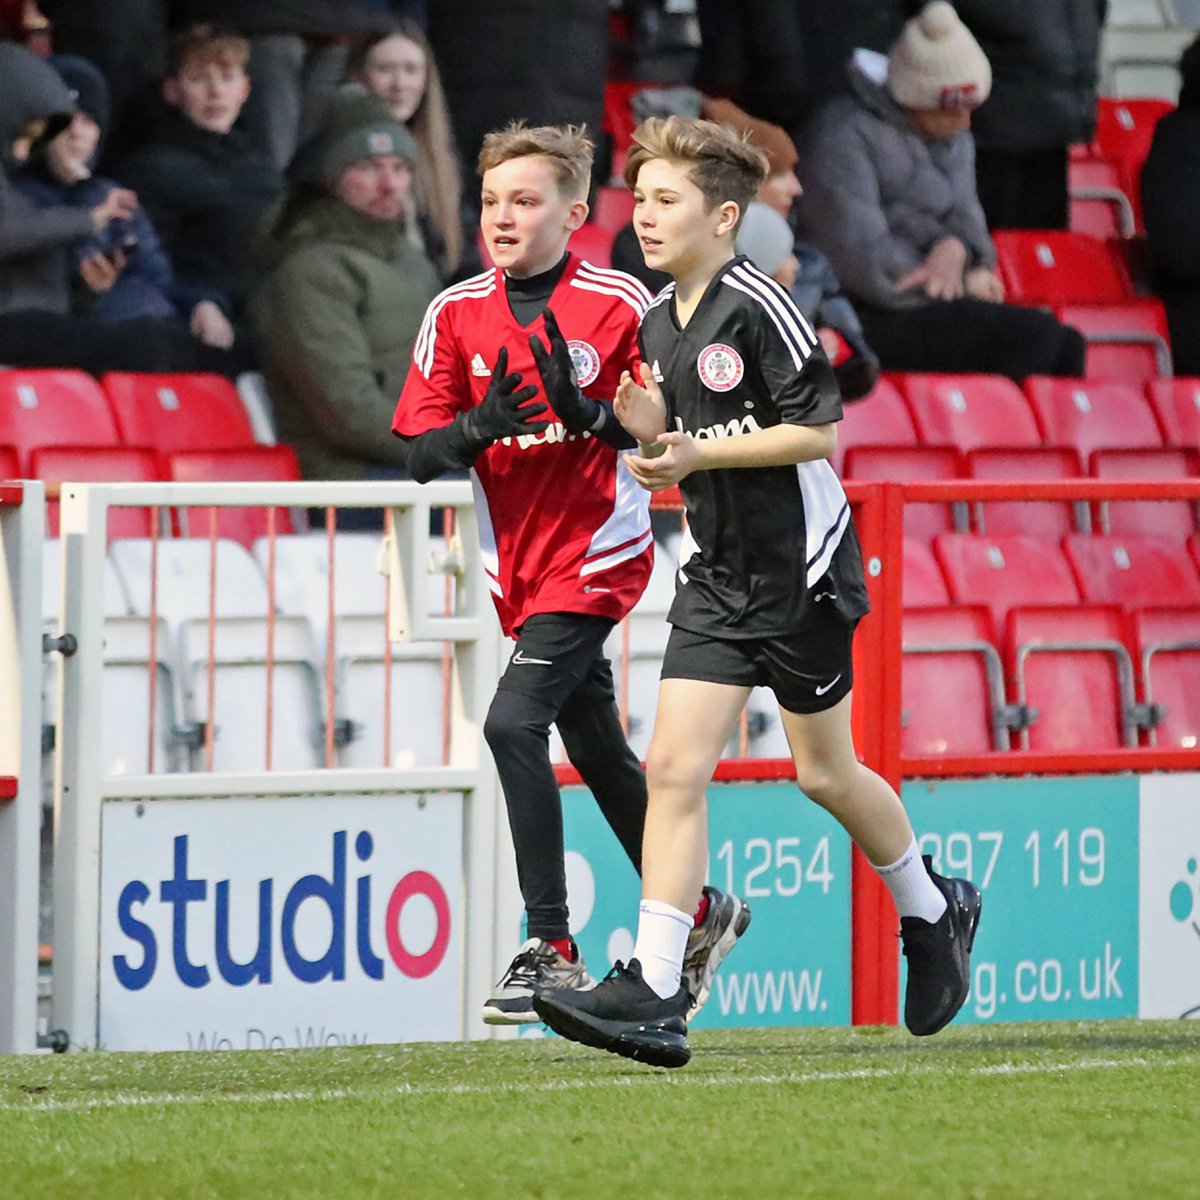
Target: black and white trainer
(939, 956)
(708, 944)
(537, 964)
(623, 1015)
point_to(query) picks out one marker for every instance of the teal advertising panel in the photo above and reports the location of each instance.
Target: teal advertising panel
(782, 854)
(1057, 863)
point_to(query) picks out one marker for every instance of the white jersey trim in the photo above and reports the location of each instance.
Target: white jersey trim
(477, 287)
(826, 515)
(618, 279)
(787, 319)
(618, 556)
(487, 536)
(604, 290)
(627, 528)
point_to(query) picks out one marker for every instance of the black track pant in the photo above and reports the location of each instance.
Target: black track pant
(558, 674)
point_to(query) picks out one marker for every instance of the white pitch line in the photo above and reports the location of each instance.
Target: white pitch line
(690, 1080)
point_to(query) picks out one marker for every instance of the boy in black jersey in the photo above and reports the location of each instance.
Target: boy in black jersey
(770, 588)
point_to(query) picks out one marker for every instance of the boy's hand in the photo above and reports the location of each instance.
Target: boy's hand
(641, 409)
(680, 457)
(570, 405)
(500, 413)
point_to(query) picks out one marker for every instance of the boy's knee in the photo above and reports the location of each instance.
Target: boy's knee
(826, 786)
(513, 718)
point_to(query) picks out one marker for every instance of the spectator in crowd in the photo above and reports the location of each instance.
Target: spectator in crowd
(339, 312)
(23, 21)
(1171, 206)
(891, 200)
(126, 39)
(59, 174)
(397, 65)
(297, 59)
(206, 188)
(1043, 99)
(37, 271)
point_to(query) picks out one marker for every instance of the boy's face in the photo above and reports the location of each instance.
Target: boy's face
(210, 92)
(526, 220)
(677, 233)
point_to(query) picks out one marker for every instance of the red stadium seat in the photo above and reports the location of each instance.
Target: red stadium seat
(613, 209)
(1133, 572)
(1194, 549)
(255, 464)
(593, 243)
(952, 683)
(1176, 403)
(1003, 572)
(1137, 518)
(10, 464)
(1040, 518)
(1124, 130)
(1059, 267)
(903, 464)
(1099, 195)
(878, 419)
(1087, 415)
(1070, 669)
(969, 411)
(1127, 341)
(924, 583)
(1168, 644)
(98, 464)
(178, 412)
(53, 408)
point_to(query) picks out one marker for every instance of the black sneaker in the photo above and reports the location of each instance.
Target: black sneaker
(621, 1014)
(939, 956)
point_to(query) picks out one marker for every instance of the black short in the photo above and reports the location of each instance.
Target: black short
(809, 670)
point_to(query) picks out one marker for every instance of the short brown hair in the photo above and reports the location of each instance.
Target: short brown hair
(568, 148)
(205, 42)
(722, 162)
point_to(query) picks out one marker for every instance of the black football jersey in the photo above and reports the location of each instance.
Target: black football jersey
(758, 539)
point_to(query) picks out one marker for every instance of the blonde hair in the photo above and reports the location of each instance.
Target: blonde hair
(567, 147)
(722, 162)
(437, 185)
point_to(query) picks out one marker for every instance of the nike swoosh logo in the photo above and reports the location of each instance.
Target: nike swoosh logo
(822, 690)
(825, 596)
(521, 660)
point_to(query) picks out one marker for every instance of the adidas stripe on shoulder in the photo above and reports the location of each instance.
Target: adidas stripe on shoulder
(795, 331)
(476, 287)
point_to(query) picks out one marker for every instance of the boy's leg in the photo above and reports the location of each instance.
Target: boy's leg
(591, 731)
(938, 916)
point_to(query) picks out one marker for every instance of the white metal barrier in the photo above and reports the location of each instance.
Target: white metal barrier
(21, 532)
(124, 822)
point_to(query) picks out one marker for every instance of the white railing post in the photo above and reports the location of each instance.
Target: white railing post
(21, 539)
(77, 792)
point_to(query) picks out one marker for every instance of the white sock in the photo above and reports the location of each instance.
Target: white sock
(661, 940)
(914, 892)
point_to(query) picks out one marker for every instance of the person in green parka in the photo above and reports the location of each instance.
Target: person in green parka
(345, 293)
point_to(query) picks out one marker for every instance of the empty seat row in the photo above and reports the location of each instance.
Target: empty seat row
(971, 412)
(166, 414)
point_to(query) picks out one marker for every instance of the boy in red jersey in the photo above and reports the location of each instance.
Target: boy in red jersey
(565, 529)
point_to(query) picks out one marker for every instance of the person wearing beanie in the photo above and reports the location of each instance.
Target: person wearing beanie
(891, 200)
(1171, 206)
(341, 305)
(1044, 59)
(122, 272)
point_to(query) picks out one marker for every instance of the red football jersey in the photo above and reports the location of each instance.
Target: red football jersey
(563, 526)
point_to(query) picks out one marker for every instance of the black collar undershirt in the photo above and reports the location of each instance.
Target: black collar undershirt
(528, 297)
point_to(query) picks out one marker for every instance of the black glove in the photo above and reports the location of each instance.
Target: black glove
(572, 407)
(500, 413)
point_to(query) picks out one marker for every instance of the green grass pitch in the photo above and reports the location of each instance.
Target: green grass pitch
(1069, 1111)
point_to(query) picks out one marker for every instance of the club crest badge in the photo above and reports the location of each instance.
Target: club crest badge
(720, 366)
(585, 360)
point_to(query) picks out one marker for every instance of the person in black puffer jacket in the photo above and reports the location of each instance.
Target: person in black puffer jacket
(1043, 55)
(1171, 205)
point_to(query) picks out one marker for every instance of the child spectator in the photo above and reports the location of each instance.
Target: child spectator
(59, 174)
(204, 185)
(338, 314)
(398, 66)
(891, 199)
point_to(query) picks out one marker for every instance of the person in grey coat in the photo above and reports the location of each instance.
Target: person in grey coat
(891, 200)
